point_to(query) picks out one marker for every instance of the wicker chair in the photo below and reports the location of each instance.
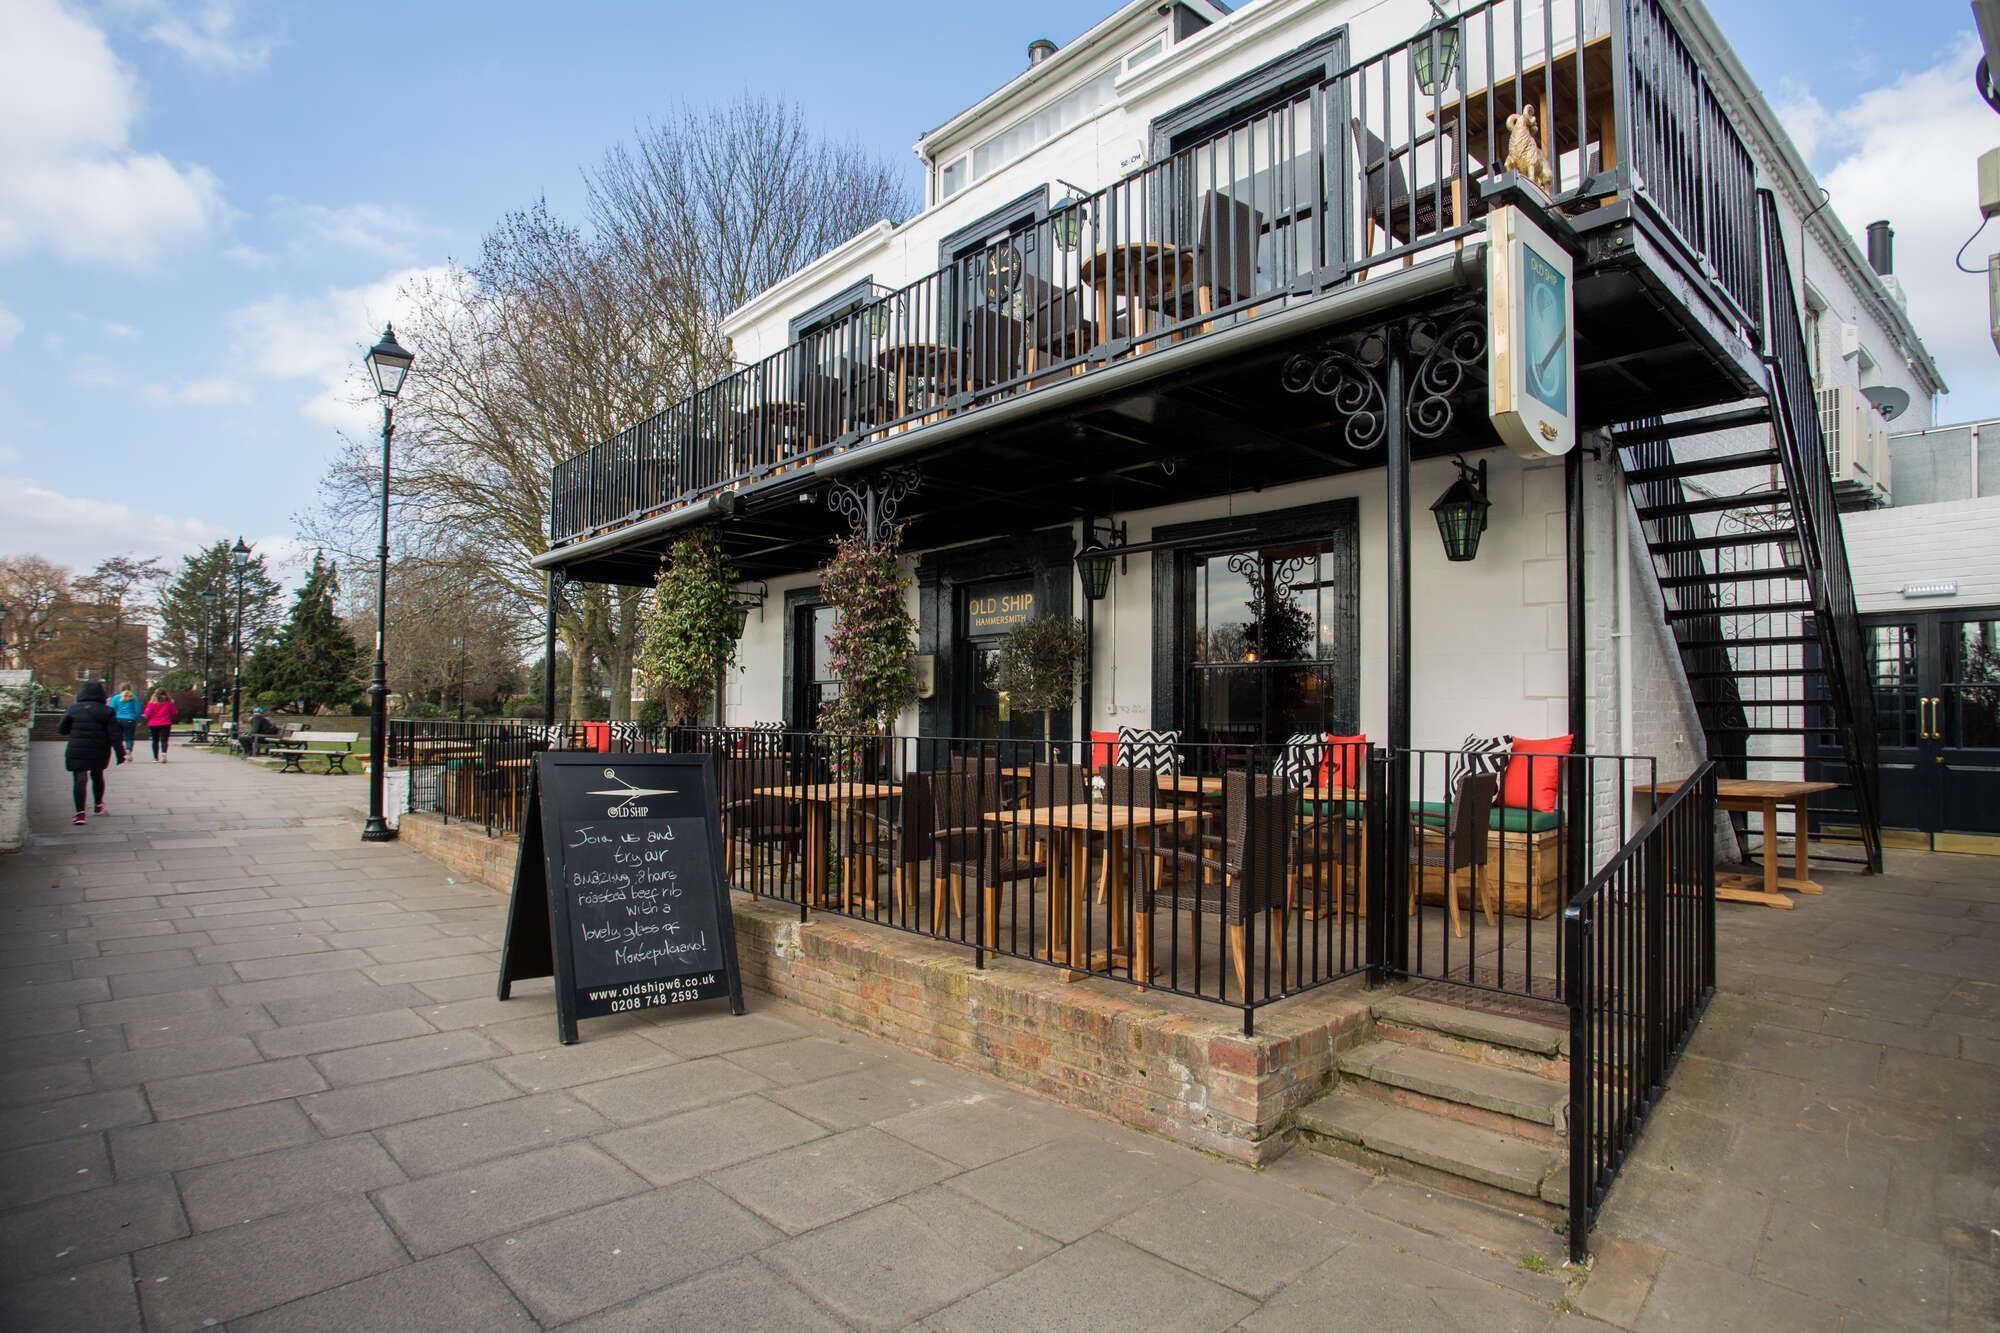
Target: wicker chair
(761, 821)
(1236, 877)
(911, 832)
(966, 846)
(1463, 845)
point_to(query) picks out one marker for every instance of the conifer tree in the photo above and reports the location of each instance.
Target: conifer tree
(314, 661)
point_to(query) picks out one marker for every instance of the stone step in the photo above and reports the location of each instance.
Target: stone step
(1495, 1039)
(1505, 1094)
(1496, 1167)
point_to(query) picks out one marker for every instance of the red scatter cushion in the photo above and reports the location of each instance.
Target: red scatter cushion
(1344, 762)
(1531, 783)
(1103, 749)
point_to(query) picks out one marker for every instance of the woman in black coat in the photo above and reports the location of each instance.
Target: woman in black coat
(94, 737)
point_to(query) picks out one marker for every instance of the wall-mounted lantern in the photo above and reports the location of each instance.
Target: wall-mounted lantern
(745, 600)
(1434, 53)
(1093, 562)
(1461, 512)
(1069, 215)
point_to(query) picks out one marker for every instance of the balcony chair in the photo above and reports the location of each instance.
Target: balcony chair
(995, 349)
(1460, 846)
(1386, 202)
(911, 834)
(1236, 880)
(1228, 232)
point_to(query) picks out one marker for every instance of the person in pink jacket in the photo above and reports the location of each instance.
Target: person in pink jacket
(160, 714)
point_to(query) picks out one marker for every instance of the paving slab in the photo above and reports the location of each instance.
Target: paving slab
(248, 1188)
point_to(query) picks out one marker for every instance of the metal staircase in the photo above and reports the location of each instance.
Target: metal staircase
(1738, 508)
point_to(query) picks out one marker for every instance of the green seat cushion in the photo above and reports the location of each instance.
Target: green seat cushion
(1344, 809)
(1504, 819)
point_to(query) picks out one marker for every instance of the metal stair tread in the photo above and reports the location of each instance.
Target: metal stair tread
(1453, 1020)
(1515, 1165)
(1452, 1078)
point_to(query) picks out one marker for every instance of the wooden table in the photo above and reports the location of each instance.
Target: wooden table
(934, 364)
(1547, 84)
(1081, 823)
(1161, 271)
(817, 801)
(1762, 798)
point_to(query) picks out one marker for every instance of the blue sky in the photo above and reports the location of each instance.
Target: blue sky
(205, 208)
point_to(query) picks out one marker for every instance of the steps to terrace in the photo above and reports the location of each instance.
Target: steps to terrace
(1463, 1100)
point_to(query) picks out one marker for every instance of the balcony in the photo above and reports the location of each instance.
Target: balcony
(1361, 192)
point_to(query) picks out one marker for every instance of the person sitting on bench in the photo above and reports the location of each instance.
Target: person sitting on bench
(255, 725)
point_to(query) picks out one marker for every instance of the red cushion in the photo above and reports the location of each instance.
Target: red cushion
(1341, 754)
(1103, 749)
(1531, 783)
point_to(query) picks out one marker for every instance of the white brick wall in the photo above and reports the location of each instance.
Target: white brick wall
(14, 773)
(1957, 541)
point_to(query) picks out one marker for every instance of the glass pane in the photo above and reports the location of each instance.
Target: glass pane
(1970, 698)
(1892, 655)
(824, 618)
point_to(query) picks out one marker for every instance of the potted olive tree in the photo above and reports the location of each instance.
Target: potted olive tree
(1039, 665)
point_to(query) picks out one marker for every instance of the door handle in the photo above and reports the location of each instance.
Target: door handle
(1923, 719)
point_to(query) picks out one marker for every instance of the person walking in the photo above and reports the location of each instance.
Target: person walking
(94, 737)
(127, 708)
(160, 714)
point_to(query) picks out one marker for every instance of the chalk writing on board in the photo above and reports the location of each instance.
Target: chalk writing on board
(638, 901)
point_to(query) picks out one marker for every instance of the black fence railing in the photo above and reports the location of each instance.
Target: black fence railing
(1355, 174)
(1639, 948)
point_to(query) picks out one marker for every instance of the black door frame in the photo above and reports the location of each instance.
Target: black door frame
(1925, 774)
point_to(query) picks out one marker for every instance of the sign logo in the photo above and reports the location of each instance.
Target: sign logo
(1530, 343)
(625, 807)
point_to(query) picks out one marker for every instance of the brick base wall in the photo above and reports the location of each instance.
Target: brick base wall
(1171, 1066)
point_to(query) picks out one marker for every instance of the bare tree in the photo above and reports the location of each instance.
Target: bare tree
(34, 597)
(123, 591)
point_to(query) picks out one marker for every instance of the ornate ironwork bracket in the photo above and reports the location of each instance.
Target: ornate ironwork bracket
(1352, 382)
(1441, 370)
(871, 508)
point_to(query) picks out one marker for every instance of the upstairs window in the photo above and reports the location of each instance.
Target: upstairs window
(1024, 136)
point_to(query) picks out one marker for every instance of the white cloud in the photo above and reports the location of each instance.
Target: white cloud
(216, 392)
(1906, 151)
(209, 38)
(319, 340)
(10, 326)
(79, 532)
(117, 330)
(69, 180)
(372, 228)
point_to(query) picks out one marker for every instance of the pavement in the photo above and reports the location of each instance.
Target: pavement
(255, 1078)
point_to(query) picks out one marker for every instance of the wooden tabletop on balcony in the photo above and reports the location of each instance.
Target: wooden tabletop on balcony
(828, 793)
(1744, 789)
(1085, 818)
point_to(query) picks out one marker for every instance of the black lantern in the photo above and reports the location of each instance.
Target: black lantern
(239, 554)
(1434, 53)
(388, 362)
(1093, 562)
(1461, 512)
(742, 618)
(745, 600)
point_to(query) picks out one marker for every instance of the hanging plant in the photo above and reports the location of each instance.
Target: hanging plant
(872, 639)
(690, 630)
(1039, 665)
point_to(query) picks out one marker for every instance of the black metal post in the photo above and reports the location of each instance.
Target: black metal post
(549, 653)
(207, 642)
(1577, 647)
(1086, 685)
(377, 829)
(236, 671)
(1396, 440)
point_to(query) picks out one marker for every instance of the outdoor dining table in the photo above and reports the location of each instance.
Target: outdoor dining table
(1143, 274)
(817, 802)
(1761, 798)
(1080, 823)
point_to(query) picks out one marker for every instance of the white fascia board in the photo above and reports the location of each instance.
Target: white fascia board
(1190, 60)
(1796, 181)
(861, 245)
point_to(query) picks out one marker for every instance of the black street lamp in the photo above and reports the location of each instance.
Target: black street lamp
(239, 556)
(388, 363)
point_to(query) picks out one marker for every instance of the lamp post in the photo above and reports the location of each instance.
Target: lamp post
(387, 363)
(239, 556)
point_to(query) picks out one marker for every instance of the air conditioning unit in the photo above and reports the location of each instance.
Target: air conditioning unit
(1857, 447)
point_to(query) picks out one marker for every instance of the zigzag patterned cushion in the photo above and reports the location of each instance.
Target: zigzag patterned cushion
(1157, 750)
(1299, 764)
(554, 734)
(627, 735)
(1485, 754)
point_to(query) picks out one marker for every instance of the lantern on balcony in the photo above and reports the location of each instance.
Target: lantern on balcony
(1093, 562)
(1434, 53)
(1068, 219)
(1461, 512)
(877, 319)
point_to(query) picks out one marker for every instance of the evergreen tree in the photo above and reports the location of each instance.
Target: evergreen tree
(197, 615)
(313, 661)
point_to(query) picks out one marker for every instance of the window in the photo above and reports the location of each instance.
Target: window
(814, 682)
(1146, 54)
(1270, 637)
(952, 178)
(1065, 113)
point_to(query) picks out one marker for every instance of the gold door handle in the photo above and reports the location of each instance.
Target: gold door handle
(1937, 708)
(1923, 724)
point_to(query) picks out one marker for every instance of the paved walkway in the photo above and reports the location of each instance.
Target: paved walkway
(254, 1076)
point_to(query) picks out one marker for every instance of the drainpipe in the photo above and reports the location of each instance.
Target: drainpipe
(1621, 631)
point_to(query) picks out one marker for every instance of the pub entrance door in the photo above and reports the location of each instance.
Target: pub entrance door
(1936, 676)
(987, 613)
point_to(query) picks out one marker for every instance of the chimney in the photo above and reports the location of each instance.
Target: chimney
(1882, 247)
(1039, 50)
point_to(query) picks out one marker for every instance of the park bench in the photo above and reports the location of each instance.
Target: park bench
(297, 746)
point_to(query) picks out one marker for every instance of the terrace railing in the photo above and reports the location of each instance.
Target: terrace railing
(1639, 948)
(1352, 176)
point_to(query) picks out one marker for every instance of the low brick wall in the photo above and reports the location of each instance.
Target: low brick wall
(1157, 1062)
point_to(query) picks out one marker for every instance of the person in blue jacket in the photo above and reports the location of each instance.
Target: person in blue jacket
(128, 708)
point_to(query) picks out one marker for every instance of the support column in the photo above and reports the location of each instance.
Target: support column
(1579, 819)
(549, 651)
(1086, 676)
(1396, 441)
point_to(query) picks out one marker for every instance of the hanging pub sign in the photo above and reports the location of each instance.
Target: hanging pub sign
(618, 888)
(1530, 347)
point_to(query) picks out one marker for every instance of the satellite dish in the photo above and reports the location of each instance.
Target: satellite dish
(1887, 399)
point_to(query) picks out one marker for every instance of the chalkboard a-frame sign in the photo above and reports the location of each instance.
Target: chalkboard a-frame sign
(618, 888)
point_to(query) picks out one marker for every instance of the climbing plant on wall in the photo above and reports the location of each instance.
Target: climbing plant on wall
(872, 639)
(690, 631)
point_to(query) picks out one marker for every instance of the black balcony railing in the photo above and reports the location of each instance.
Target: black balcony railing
(1354, 175)
(1639, 958)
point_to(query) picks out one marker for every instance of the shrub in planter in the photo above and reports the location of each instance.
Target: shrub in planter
(1039, 665)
